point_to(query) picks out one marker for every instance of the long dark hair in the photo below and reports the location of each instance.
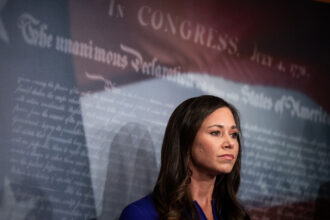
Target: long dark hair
(171, 196)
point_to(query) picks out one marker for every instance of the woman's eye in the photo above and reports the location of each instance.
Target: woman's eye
(215, 133)
(234, 135)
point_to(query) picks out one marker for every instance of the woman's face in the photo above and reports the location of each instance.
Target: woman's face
(215, 148)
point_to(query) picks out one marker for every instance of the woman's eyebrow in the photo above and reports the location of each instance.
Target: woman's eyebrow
(221, 126)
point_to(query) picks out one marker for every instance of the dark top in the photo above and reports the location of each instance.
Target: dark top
(144, 209)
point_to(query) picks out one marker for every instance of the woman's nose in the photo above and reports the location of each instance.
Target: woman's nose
(228, 142)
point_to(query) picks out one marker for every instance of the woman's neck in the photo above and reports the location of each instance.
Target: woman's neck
(201, 187)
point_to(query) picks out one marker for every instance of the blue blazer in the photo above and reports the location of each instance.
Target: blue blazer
(144, 209)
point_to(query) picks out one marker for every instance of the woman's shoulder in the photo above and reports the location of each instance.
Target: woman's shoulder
(141, 209)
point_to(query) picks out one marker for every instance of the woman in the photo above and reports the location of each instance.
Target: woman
(200, 165)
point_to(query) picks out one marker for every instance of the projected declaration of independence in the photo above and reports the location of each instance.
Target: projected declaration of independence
(87, 88)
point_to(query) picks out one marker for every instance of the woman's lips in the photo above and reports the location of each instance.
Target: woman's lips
(227, 156)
